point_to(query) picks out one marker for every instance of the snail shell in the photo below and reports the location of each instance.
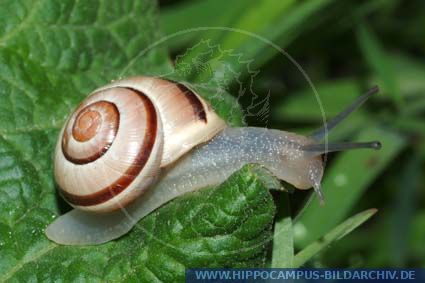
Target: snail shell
(115, 143)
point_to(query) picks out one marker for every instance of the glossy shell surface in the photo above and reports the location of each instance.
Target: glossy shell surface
(113, 146)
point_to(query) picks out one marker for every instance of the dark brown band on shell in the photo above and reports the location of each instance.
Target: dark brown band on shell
(198, 107)
(110, 133)
(132, 172)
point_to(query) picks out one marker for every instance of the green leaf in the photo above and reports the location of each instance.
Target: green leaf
(229, 225)
(89, 42)
(334, 235)
(344, 183)
(52, 54)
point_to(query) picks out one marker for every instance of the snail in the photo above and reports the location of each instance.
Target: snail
(137, 143)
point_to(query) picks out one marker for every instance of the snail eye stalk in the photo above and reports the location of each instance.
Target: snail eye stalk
(322, 132)
(318, 149)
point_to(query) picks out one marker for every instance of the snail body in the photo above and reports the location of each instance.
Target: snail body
(135, 144)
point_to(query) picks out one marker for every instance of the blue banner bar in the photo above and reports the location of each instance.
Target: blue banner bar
(276, 275)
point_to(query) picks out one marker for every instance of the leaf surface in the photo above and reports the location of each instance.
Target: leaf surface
(52, 54)
(229, 225)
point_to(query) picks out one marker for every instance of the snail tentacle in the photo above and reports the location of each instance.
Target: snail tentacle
(322, 132)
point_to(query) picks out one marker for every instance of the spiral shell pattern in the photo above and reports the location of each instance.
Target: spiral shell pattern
(113, 146)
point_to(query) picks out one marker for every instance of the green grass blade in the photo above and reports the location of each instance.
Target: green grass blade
(410, 74)
(283, 241)
(334, 235)
(379, 63)
(344, 183)
(410, 124)
(416, 238)
(334, 96)
(404, 209)
(259, 20)
(260, 23)
(281, 29)
(193, 14)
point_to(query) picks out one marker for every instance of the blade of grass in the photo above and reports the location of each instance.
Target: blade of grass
(352, 126)
(409, 72)
(411, 125)
(253, 30)
(361, 10)
(416, 106)
(242, 33)
(379, 63)
(404, 208)
(334, 96)
(193, 14)
(283, 242)
(416, 238)
(285, 29)
(259, 20)
(344, 183)
(334, 235)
